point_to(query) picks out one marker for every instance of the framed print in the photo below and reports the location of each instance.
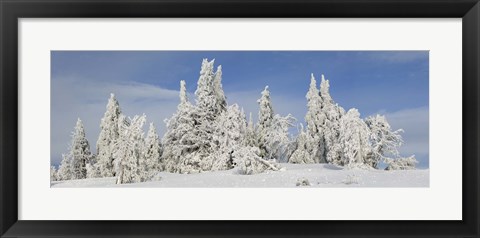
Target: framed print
(277, 118)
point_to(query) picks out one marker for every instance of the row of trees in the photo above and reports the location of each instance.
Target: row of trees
(137, 158)
(343, 138)
(212, 135)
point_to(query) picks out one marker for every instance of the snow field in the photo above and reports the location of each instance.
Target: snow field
(318, 175)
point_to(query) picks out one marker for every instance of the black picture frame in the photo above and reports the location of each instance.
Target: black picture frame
(11, 11)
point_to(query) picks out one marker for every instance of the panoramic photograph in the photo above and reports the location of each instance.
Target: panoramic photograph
(239, 119)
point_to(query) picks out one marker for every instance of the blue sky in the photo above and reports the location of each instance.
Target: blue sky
(394, 83)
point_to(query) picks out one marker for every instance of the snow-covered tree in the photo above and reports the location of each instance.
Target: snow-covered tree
(209, 105)
(73, 165)
(301, 153)
(190, 132)
(218, 89)
(278, 138)
(129, 150)
(265, 114)
(315, 118)
(229, 136)
(207, 98)
(385, 142)
(272, 129)
(265, 119)
(401, 163)
(183, 94)
(204, 137)
(354, 139)
(65, 170)
(109, 133)
(80, 152)
(251, 134)
(331, 125)
(92, 172)
(178, 140)
(53, 173)
(151, 161)
(248, 161)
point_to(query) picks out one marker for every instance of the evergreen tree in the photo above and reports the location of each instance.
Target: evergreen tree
(208, 107)
(109, 134)
(248, 161)
(265, 119)
(206, 97)
(331, 125)
(217, 88)
(277, 137)
(80, 152)
(73, 165)
(92, 172)
(315, 119)
(151, 162)
(251, 135)
(385, 142)
(354, 139)
(301, 153)
(178, 141)
(273, 138)
(65, 169)
(129, 150)
(401, 163)
(53, 174)
(183, 94)
(230, 133)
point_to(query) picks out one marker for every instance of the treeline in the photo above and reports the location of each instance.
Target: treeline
(211, 135)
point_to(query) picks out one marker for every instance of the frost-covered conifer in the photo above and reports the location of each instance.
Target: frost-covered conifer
(217, 88)
(265, 114)
(331, 125)
(354, 139)
(151, 162)
(248, 161)
(385, 142)
(315, 119)
(183, 94)
(65, 169)
(251, 135)
(92, 172)
(109, 133)
(229, 135)
(73, 165)
(207, 98)
(265, 119)
(178, 140)
(129, 150)
(401, 163)
(53, 173)
(210, 104)
(277, 137)
(80, 152)
(272, 130)
(301, 154)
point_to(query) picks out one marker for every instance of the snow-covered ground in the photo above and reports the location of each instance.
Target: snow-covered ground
(318, 175)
